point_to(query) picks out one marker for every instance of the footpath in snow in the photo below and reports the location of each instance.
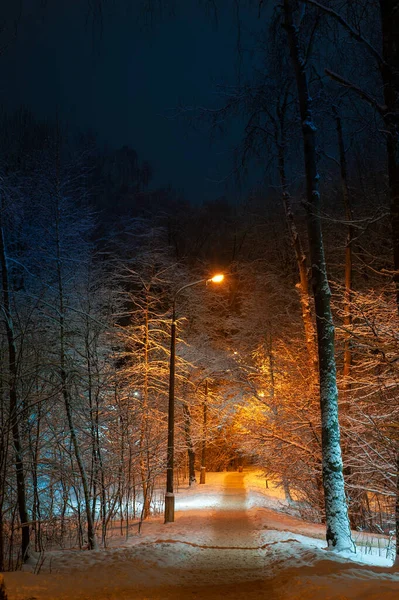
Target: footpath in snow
(233, 538)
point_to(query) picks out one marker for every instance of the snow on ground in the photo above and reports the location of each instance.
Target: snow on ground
(231, 536)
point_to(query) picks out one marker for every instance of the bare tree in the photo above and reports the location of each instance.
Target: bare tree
(14, 405)
(338, 529)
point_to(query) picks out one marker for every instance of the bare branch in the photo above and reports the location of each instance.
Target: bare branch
(352, 32)
(380, 108)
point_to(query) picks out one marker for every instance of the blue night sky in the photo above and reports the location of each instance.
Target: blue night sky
(121, 82)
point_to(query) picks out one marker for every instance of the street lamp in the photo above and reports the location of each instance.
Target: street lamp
(169, 496)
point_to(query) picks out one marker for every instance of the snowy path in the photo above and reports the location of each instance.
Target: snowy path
(230, 523)
(230, 539)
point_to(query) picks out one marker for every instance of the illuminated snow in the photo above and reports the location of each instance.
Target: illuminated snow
(232, 537)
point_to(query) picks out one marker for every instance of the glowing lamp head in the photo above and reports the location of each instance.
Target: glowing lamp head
(217, 278)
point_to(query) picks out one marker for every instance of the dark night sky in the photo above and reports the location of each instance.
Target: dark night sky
(122, 83)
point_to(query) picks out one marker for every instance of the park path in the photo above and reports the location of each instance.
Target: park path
(230, 540)
(210, 550)
(230, 521)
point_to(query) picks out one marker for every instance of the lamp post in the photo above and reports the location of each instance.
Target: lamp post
(169, 496)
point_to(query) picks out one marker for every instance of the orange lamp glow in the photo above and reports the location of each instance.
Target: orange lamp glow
(217, 278)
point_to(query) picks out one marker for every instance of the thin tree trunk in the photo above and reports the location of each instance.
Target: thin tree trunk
(189, 443)
(103, 495)
(121, 471)
(204, 434)
(390, 75)
(36, 516)
(270, 354)
(144, 466)
(92, 542)
(338, 529)
(358, 497)
(4, 448)
(94, 469)
(304, 292)
(13, 400)
(347, 320)
(303, 284)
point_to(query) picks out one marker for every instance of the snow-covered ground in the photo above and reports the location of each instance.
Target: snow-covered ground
(231, 537)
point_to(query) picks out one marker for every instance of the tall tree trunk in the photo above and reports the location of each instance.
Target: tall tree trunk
(347, 320)
(94, 467)
(388, 67)
(338, 529)
(13, 400)
(303, 284)
(390, 75)
(92, 542)
(304, 294)
(189, 443)
(144, 441)
(270, 355)
(358, 497)
(35, 461)
(204, 434)
(4, 450)
(103, 495)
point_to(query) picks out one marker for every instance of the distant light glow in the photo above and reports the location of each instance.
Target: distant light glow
(217, 278)
(203, 501)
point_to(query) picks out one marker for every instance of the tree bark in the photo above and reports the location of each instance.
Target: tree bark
(303, 284)
(390, 76)
(189, 443)
(204, 434)
(144, 441)
(358, 497)
(13, 400)
(347, 320)
(338, 529)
